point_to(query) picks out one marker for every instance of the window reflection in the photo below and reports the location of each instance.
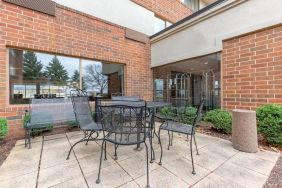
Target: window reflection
(39, 75)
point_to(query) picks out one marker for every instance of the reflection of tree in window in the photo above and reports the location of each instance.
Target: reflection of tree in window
(56, 72)
(95, 79)
(76, 79)
(32, 69)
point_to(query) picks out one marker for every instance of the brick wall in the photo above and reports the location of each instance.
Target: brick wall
(74, 34)
(171, 10)
(252, 69)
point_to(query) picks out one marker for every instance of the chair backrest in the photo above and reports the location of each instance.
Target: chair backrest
(124, 118)
(198, 114)
(126, 98)
(82, 110)
(50, 111)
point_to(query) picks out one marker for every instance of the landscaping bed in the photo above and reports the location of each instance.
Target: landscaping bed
(275, 178)
(5, 148)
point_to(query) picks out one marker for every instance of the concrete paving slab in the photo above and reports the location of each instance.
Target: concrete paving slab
(58, 174)
(52, 156)
(90, 163)
(131, 184)
(240, 175)
(218, 165)
(78, 182)
(111, 176)
(21, 161)
(23, 181)
(136, 165)
(182, 168)
(215, 181)
(253, 163)
(161, 178)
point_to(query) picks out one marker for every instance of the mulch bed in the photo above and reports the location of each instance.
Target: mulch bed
(275, 178)
(5, 148)
(206, 128)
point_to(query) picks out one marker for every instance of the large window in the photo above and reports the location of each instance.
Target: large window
(39, 75)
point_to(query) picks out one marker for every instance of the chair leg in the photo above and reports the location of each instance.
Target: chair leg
(82, 140)
(160, 163)
(191, 152)
(168, 140)
(98, 179)
(25, 140)
(147, 186)
(171, 139)
(90, 135)
(196, 144)
(116, 157)
(152, 149)
(105, 152)
(29, 139)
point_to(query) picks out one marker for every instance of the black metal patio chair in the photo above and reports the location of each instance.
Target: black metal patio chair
(173, 126)
(124, 124)
(84, 118)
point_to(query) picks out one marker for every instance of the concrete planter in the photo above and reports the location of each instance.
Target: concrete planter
(244, 130)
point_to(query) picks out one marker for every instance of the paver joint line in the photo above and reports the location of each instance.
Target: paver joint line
(39, 162)
(78, 162)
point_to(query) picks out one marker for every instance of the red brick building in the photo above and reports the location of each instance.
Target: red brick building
(78, 35)
(226, 51)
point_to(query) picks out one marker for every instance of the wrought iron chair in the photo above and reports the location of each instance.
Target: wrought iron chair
(124, 124)
(174, 126)
(84, 118)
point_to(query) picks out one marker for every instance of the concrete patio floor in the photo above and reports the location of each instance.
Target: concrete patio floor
(218, 165)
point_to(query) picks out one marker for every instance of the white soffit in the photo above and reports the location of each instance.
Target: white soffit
(204, 34)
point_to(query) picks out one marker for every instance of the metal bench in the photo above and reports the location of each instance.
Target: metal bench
(45, 113)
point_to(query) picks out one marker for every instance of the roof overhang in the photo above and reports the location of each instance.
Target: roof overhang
(203, 14)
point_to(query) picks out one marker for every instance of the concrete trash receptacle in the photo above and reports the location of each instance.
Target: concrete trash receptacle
(244, 130)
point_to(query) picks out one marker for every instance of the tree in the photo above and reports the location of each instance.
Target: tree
(56, 72)
(32, 69)
(76, 78)
(95, 78)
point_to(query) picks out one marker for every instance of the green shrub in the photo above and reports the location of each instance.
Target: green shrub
(269, 118)
(167, 111)
(221, 120)
(3, 128)
(187, 115)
